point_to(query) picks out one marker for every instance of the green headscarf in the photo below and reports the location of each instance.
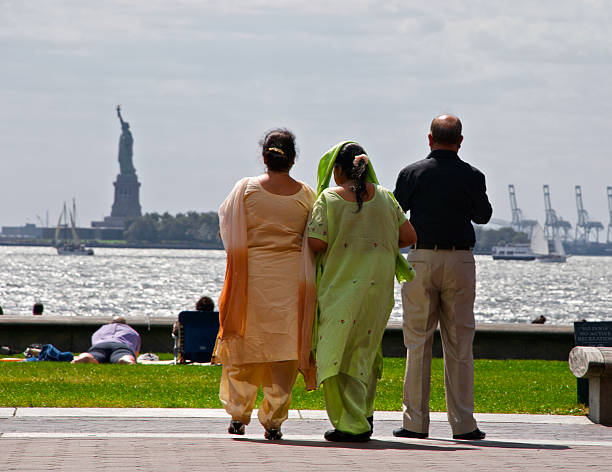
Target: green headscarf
(403, 270)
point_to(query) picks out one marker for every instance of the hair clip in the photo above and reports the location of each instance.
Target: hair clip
(359, 158)
(280, 151)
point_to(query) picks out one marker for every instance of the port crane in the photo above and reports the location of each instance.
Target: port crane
(554, 224)
(609, 239)
(585, 225)
(518, 223)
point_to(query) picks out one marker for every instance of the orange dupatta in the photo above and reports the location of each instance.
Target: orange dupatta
(306, 312)
(233, 229)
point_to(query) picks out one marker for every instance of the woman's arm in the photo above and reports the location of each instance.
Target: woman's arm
(407, 235)
(317, 245)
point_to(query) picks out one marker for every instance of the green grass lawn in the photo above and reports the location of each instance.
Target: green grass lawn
(521, 386)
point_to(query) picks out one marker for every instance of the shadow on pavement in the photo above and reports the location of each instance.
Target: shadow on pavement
(508, 444)
(373, 444)
(454, 445)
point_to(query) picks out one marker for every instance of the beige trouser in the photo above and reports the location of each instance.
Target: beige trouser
(240, 383)
(443, 291)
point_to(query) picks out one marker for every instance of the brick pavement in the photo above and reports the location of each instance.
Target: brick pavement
(196, 440)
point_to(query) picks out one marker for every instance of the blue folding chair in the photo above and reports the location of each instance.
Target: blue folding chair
(197, 334)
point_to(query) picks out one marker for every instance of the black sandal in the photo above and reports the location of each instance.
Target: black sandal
(236, 427)
(273, 434)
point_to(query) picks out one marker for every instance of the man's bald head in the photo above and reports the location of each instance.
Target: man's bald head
(445, 132)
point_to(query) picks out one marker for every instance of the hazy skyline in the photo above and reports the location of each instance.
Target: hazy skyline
(200, 82)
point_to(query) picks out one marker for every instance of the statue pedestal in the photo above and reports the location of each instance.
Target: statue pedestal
(127, 199)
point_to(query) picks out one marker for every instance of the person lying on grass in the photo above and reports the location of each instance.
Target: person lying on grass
(115, 342)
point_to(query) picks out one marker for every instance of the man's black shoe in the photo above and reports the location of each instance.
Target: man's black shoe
(338, 436)
(406, 433)
(473, 436)
(371, 421)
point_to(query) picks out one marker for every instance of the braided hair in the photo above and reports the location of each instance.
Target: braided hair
(357, 173)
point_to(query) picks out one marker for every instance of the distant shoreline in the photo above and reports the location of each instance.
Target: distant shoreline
(115, 245)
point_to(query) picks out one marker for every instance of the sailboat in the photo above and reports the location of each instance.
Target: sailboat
(74, 246)
(540, 246)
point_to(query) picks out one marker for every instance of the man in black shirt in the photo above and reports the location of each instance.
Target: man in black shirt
(444, 195)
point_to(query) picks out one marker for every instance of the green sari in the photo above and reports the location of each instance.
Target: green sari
(354, 294)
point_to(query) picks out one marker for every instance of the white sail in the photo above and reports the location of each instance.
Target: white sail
(73, 245)
(559, 247)
(59, 225)
(75, 237)
(57, 230)
(539, 244)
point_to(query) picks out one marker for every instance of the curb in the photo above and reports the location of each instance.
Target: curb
(211, 413)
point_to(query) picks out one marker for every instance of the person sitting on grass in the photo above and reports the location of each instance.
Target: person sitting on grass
(115, 342)
(203, 304)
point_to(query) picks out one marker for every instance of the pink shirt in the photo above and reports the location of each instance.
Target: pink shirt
(117, 333)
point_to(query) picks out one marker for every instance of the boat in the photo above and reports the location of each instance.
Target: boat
(557, 255)
(73, 246)
(513, 252)
(72, 250)
(541, 247)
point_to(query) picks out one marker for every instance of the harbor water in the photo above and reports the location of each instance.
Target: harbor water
(159, 282)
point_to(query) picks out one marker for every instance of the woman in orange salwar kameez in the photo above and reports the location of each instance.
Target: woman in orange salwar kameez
(269, 276)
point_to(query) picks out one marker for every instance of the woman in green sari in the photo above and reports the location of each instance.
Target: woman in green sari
(356, 228)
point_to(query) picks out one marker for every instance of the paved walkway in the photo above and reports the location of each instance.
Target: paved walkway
(75, 439)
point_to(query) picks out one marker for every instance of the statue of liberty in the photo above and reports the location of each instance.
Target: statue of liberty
(126, 142)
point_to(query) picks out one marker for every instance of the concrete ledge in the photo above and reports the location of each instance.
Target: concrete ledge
(492, 341)
(499, 341)
(73, 333)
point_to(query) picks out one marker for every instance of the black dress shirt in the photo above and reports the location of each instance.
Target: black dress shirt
(443, 194)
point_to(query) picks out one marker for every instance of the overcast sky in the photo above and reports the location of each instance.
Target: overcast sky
(201, 81)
